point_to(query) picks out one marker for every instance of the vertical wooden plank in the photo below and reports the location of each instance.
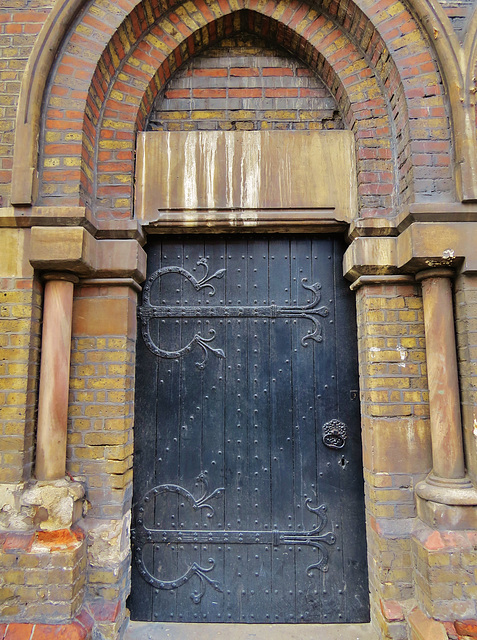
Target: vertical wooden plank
(281, 425)
(141, 598)
(235, 439)
(190, 429)
(328, 474)
(168, 417)
(257, 403)
(305, 461)
(212, 445)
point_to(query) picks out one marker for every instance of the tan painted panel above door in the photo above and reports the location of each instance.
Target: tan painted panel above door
(245, 171)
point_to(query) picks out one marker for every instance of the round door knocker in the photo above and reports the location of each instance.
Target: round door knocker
(334, 434)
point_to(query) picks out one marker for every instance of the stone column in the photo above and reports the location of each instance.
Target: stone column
(54, 376)
(447, 483)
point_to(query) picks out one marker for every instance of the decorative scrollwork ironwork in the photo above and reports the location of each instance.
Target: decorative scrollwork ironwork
(143, 535)
(147, 312)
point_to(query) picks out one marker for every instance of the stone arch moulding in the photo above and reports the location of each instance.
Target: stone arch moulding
(470, 85)
(426, 134)
(30, 101)
(457, 64)
(58, 28)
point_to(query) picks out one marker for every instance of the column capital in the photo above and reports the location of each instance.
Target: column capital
(437, 272)
(65, 276)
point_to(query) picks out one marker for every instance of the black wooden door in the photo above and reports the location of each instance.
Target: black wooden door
(248, 488)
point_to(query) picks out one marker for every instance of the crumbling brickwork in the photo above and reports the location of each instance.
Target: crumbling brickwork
(42, 576)
(444, 573)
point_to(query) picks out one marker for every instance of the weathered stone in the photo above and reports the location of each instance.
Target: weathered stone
(41, 505)
(424, 628)
(108, 540)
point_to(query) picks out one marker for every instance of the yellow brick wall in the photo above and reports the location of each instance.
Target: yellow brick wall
(466, 327)
(100, 433)
(42, 575)
(395, 432)
(20, 315)
(445, 566)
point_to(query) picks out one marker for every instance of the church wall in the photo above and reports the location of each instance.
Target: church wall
(123, 67)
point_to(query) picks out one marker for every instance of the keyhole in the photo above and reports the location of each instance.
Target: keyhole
(343, 462)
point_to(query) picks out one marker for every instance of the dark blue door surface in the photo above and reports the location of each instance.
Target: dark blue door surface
(248, 487)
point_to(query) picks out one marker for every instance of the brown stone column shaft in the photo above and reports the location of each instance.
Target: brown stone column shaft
(54, 377)
(444, 399)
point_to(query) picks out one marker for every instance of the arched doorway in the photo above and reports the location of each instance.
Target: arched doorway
(248, 498)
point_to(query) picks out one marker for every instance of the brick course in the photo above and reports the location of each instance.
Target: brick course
(43, 576)
(249, 73)
(395, 431)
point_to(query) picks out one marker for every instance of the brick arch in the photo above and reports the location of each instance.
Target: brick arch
(362, 106)
(108, 134)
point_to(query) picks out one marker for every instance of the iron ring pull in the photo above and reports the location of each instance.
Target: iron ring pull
(335, 434)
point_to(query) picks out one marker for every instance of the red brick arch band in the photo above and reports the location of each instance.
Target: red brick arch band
(399, 132)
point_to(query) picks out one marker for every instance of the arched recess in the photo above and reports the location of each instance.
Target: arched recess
(385, 47)
(342, 68)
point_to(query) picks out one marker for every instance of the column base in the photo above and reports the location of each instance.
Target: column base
(453, 491)
(444, 503)
(42, 505)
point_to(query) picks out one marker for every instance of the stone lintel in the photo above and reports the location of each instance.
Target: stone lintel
(423, 245)
(74, 249)
(183, 171)
(319, 220)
